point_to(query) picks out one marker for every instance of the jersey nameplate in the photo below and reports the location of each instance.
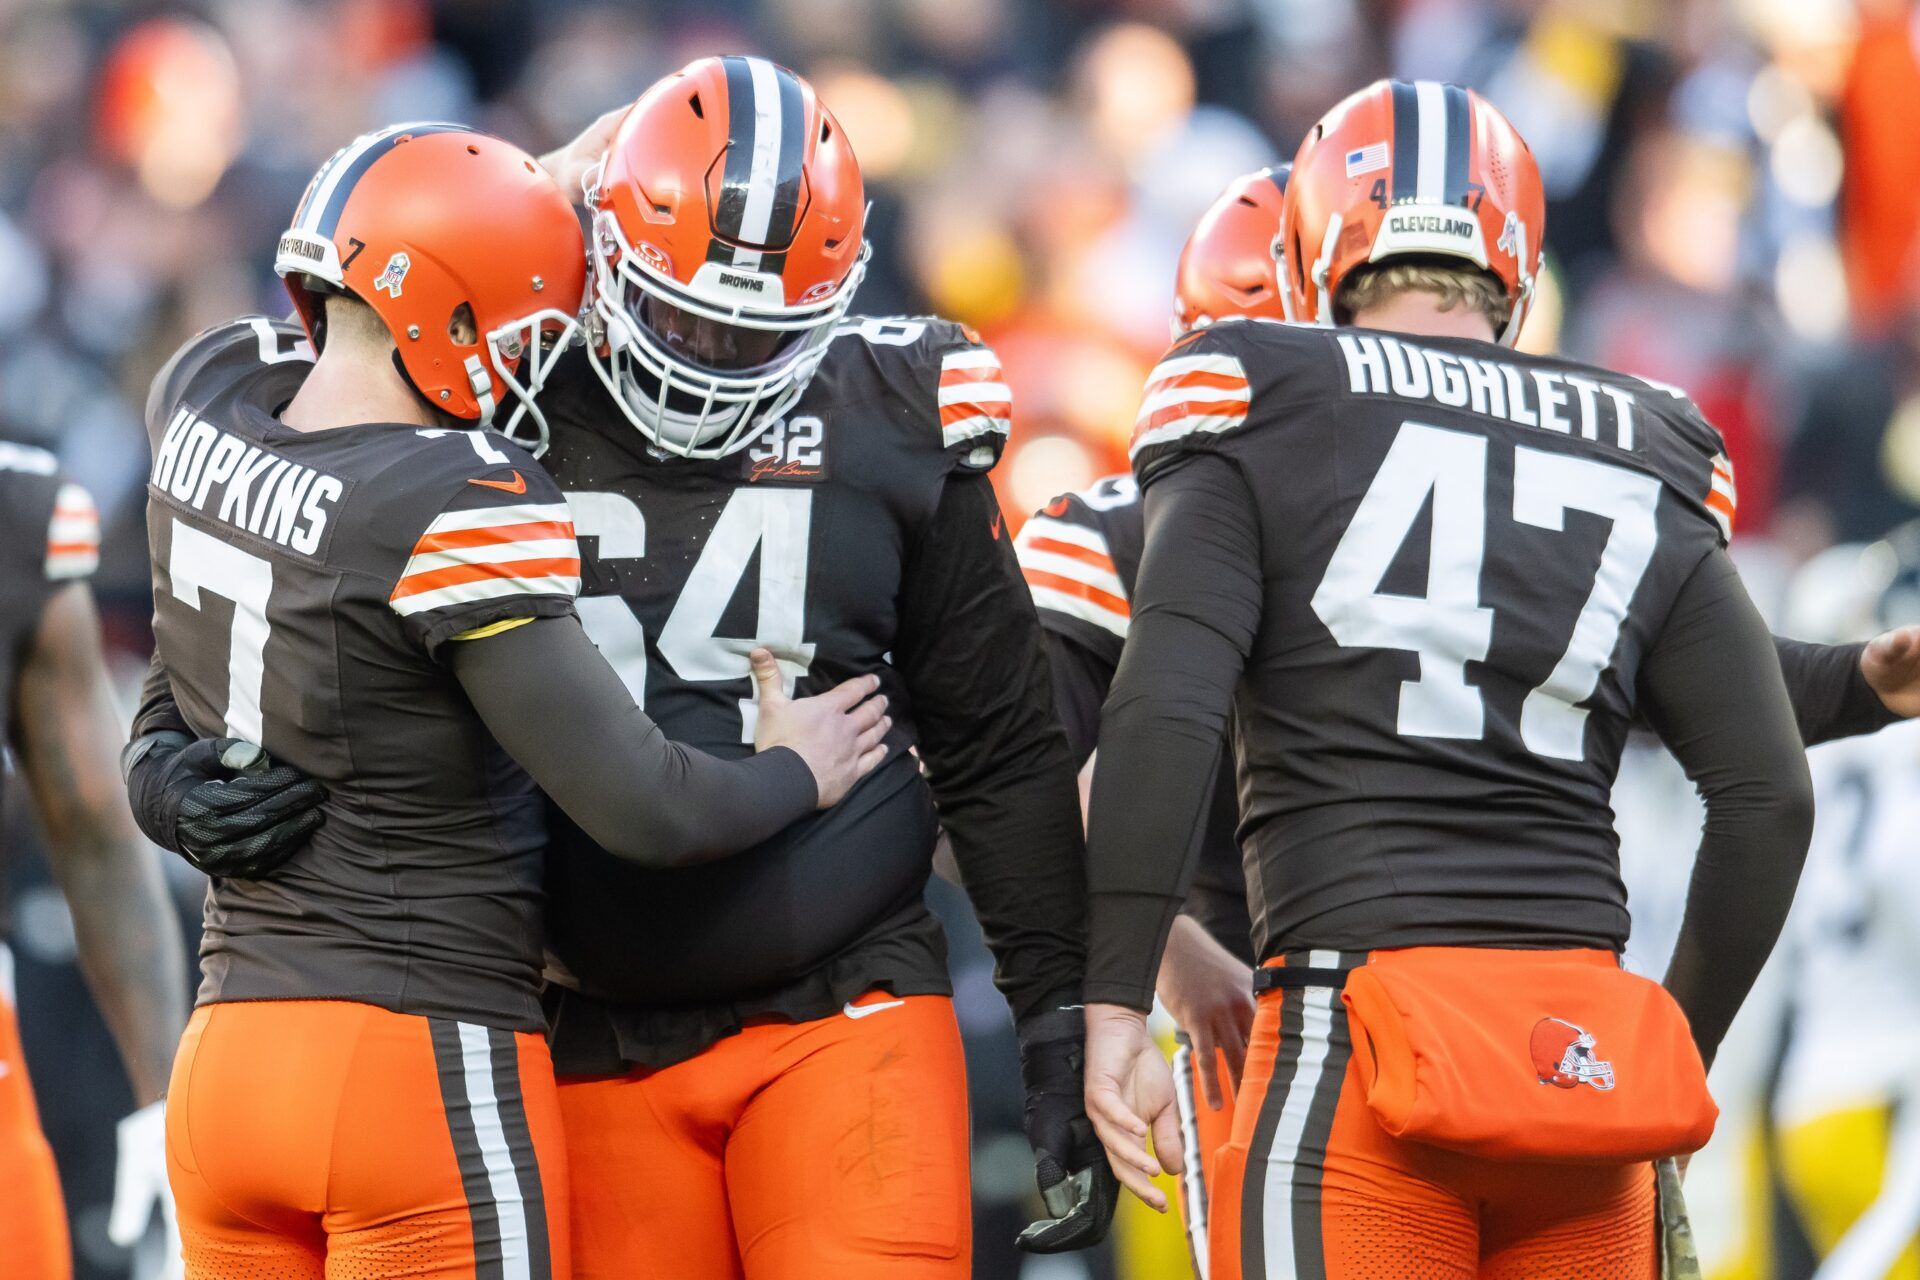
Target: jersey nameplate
(245, 486)
(1547, 399)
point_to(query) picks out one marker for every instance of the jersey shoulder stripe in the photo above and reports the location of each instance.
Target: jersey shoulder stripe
(73, 535)
(1204, 392)
(1069, 569)
(974, 398)
(1722, 498)
(490, 553)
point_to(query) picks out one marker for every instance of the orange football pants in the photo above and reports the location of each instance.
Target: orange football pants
(835, 1148)
(1309, 1187)
(331, 1140)
(33, 1217)
(1203, 1132)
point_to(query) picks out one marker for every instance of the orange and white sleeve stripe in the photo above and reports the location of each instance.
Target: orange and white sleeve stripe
(73, 535)
(1185, 394)
(974, 397)
(491, 553)
(1069, 570)
(1722, 500)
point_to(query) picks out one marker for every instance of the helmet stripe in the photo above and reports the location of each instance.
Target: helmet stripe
(793, 154)
(764, 166)
(1430, 184)
(1406, 141)
(319, 213)
(760, 182)
(742, 124)
(1459, 143)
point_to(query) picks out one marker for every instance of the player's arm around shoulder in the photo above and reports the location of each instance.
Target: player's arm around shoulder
(487, 587)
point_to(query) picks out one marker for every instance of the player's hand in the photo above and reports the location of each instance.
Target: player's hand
(1891, 664)
(571, 164)
(1130, 1095)
(1075, 1180)
(838, 733)
(221, 804)
(1209, 992)
(140, 1185)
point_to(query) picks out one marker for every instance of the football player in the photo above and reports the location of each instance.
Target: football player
(1845, 1130)
(59, 721)
(748, 467)
(353, 578)
(1081, 556)
(1434, 580)
(761, 1071)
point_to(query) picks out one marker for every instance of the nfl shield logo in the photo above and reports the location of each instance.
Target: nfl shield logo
(394, 275)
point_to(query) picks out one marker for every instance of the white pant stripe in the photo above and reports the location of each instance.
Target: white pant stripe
(476, 1058)
(1187, 1100)
(1316, 1027)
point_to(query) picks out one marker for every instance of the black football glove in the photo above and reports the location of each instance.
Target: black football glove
(1076, 1182)
(220, 803)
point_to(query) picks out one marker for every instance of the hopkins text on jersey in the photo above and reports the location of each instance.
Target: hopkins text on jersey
(259, 491)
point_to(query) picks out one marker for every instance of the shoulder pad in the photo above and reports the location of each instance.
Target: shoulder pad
(464, 508)
(1678, 453)
(232, 349)
(960, 401)
(1071, 570)
(49, 525)
(1199, 391)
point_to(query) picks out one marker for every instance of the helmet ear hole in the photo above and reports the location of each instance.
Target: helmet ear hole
(461, 327)
(698, 112)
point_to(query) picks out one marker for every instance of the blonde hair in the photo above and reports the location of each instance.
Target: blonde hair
(1453, 284)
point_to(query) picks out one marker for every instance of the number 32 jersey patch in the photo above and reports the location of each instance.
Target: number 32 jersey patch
(1467, 551)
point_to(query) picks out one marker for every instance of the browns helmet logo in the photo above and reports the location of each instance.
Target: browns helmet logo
(1563, 1056)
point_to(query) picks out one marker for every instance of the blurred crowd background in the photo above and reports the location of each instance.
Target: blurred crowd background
(1734, 204)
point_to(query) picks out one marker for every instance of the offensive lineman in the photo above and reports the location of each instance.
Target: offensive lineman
(758, 469)
(57, 719)
(350, 576)
(1442, 578)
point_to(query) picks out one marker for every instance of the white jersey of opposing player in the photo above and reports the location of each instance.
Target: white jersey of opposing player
(1853, 940)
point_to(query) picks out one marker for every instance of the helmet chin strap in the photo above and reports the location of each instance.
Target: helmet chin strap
(482, 383)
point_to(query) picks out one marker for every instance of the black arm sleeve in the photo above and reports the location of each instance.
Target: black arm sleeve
(1831, 699)
(1196, 608)
(1737, 741)
(158, 712)
(976, 671)
(557, 707)
(1080, 681)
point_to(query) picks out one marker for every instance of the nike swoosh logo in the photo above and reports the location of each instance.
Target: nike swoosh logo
(861, 1011)
(516, 485)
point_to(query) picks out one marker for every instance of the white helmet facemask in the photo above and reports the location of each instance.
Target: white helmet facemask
(683, 406)
(524, 353)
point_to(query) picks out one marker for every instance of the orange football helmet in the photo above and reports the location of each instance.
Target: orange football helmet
(1231, 263)
(1411, 170)
(727, 243)
(421, 220)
